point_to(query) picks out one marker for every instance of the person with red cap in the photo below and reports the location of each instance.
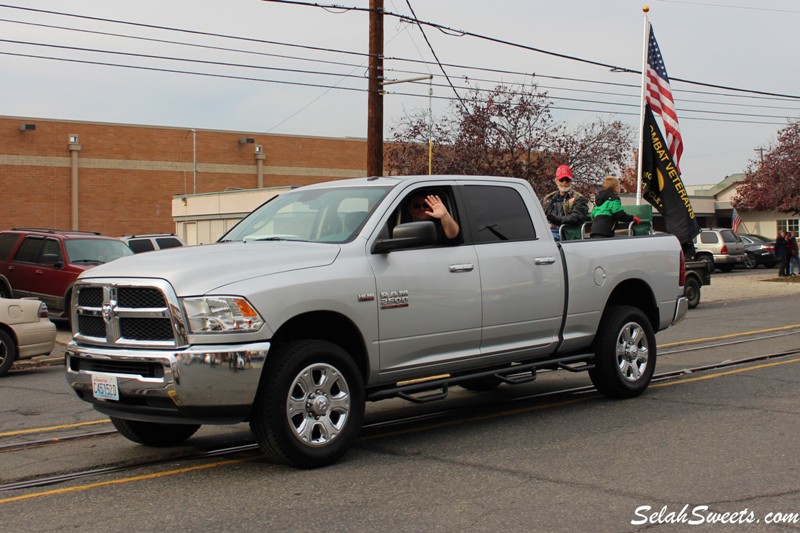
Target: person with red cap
(564, 205)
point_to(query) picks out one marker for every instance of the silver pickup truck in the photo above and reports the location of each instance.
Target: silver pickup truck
(329, 296)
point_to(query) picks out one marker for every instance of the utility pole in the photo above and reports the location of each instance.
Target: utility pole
(375, 99)
(760, 153)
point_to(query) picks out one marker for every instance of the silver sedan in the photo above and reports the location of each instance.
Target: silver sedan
(25, 331)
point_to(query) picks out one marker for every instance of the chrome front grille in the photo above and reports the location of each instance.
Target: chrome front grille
(128, 313)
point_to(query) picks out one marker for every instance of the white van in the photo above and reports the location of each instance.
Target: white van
(150, 242)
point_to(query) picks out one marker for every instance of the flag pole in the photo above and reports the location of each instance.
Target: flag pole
(646, 41)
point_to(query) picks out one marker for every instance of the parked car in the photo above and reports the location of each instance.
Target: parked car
(150, 242)
(25, 331)
(760, 250)
(720, 246)
(44, 263)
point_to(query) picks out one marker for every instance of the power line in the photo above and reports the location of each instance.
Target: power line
(613, 68)
(726, 6)
(278, 43)
(179, 59)
(430, 46)
(327, 87)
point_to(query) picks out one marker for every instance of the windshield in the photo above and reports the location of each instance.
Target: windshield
(313, 215)
(95, 250)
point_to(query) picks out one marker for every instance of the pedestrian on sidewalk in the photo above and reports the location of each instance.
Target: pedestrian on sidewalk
(780, 252)
(792, 259)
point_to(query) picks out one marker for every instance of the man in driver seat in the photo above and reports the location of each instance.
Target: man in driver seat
(423, 207)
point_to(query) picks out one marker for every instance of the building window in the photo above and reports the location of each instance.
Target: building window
(789, 224)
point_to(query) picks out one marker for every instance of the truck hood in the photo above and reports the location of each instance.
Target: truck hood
(194, 270)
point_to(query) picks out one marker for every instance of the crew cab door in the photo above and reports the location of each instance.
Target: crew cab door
(429, 308)
(521, 275)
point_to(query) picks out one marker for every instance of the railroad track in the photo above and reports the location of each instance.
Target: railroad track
(375, 429)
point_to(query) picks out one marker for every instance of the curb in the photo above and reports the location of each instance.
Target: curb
(54, 358)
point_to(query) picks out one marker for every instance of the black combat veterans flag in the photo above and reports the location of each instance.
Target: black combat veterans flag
(662, 185)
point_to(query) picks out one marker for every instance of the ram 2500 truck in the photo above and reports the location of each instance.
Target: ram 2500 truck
(329, 296)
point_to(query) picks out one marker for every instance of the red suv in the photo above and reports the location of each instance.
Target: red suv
(44, 263)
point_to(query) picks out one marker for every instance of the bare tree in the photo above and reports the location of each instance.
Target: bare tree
(506, 132)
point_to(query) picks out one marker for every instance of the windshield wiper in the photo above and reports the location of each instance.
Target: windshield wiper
(88, 261)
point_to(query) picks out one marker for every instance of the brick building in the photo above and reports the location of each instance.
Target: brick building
(125, 176)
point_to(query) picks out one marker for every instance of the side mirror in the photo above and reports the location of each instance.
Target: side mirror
(408, 235)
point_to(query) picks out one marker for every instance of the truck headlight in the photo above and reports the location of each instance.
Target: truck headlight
(224, 314)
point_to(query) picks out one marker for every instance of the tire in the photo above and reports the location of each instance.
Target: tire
(5, 292)
(625, 353)
(750, 262)
(154, 434)
(8, 352)
(707, 259)
(484, 384)
(310, 404)
(692, 292)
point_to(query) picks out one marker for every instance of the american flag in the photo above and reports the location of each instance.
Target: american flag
(659, 96)
(735, 221)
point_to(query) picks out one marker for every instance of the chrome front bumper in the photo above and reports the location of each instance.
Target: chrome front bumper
(166, 383)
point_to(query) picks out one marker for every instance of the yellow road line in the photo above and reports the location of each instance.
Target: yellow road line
(123, 480)
(384, 435)
(731, 336)
(53, 428)
(680, 381)
(512, 412)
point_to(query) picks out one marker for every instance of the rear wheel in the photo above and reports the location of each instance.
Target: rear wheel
(692, 292)
(5, 292)
(750, 262)
(310, 404)
(153, 433)
(625, 353)
(8, 352)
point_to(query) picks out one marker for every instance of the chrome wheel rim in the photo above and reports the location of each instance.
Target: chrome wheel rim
(633, 351)
(318, 404)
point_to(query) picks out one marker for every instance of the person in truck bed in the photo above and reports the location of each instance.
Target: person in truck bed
(608, 210)
(565, 205)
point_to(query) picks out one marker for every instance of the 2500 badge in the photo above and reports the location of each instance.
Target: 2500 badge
(393, 299)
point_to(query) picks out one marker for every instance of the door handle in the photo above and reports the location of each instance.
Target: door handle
(544, 260)
(462, 267)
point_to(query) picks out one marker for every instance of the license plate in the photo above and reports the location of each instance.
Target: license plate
(105, 387)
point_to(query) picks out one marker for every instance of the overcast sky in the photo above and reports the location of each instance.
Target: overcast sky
(259, 84)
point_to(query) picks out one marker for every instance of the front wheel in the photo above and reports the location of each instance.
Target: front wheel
(625, 353)
(750, 262)
(153, 433)
(8, 351)
(310, 404)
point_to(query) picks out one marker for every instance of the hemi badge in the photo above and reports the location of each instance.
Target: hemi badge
(368, 297)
